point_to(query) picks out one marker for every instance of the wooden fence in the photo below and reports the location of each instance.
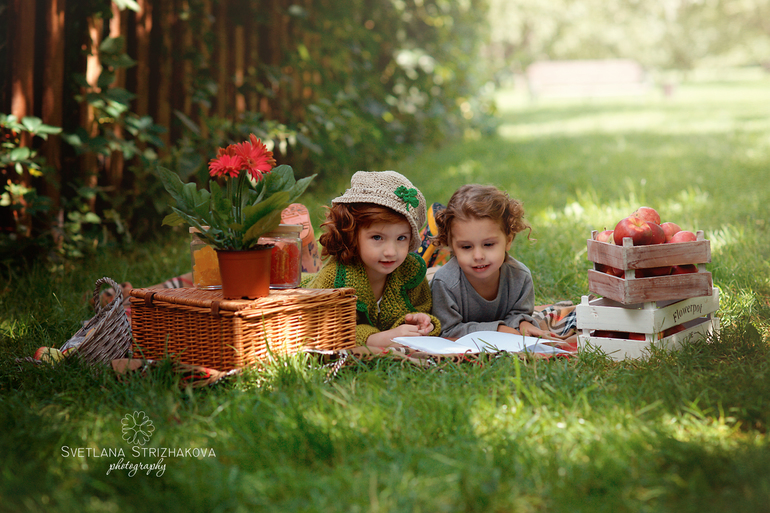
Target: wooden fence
(181, 48)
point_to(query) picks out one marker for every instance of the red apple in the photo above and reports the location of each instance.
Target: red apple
(658, 235)
(673, 329)
(605, 236)
(653, 271)
(684, 269)
(609, 334)
(670, 229)
(638, 229)
(608, 269)
(683, 236)
(648, 214)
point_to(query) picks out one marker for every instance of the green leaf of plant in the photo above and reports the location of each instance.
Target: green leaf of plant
(112, 45)
(280, 178)
(173, 219)
(90, 217)
(299, 188)
(261, 227)
(31, 123)
(48, 129)
(127, 4)
(191, 220)
(171, 183)
(119, 95)
(221, 206)
(106, 77)
(19, 154)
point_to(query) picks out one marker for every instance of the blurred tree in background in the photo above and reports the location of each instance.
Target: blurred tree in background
(661, 34)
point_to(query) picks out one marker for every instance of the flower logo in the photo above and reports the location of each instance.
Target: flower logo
(137, 428)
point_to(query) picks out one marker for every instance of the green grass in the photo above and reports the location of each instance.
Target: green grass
(679, 432)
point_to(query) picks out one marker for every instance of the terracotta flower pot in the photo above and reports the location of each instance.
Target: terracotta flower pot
(245, 273)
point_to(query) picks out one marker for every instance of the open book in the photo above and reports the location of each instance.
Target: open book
(479, 342)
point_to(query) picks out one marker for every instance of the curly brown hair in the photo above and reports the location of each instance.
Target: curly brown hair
(343, 220)
(475, 201)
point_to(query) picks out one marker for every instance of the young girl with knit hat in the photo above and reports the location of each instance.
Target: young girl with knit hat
(482, 287)
(369, 235)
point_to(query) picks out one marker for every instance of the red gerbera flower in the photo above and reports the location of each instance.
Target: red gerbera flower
(257, 160)
(225, 164)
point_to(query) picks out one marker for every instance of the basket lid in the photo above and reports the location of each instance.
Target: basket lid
(212, 302)
(284, 229)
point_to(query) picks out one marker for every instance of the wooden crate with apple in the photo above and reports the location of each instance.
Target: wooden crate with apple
(631, 273)
(634, 330)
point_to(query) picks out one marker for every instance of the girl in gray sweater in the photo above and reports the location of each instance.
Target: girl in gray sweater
(482, 288)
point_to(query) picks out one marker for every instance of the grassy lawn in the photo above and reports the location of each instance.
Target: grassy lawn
(677, 432)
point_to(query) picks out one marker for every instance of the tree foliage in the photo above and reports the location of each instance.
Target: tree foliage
(665, 34)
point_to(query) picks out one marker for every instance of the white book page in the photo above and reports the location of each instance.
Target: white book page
(478, 342)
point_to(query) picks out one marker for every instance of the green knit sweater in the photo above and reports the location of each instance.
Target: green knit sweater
(406, 291)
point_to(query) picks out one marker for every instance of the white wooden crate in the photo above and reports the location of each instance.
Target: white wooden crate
(695, 315)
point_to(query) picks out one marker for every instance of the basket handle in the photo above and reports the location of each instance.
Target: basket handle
(97, 289)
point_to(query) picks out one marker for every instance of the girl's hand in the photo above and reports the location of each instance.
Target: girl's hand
(421, 320)
(384, 339)
(529, 330)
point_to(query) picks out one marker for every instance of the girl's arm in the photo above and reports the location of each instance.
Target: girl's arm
(415, 324)
(521, 290)
(528, 329)
(519, 319)
(422, 301)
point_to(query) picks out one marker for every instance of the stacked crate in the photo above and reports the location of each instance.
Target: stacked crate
(633, 314)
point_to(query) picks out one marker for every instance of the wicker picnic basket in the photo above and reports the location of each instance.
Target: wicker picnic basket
(199, 327)
(107, 335)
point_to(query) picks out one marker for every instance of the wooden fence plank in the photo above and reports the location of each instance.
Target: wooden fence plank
(236, 41)
(89, 161)
(144, 21)
(118, 24)
(53, 89)
(166, 66)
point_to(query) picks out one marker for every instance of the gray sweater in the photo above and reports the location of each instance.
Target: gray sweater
(462, 310)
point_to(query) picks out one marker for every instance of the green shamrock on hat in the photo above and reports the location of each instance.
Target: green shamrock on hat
(408, 196)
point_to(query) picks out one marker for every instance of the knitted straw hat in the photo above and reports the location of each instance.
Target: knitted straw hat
(392, 190)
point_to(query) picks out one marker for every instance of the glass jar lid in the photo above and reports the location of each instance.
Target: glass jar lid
(285, 230)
